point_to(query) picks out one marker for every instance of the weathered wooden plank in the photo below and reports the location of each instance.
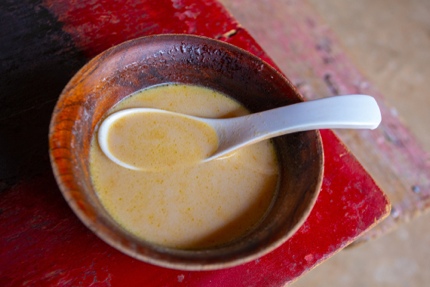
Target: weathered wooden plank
(307, 51)
(41, 240)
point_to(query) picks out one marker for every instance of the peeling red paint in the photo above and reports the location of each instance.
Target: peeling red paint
(98, 25)
(42, 242)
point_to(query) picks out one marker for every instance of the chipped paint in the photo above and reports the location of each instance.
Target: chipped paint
(38, 226)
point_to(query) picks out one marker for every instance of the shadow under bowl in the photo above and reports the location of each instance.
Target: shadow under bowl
(145, 62)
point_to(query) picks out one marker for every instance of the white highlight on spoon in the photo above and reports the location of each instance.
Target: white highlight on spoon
(345, 112)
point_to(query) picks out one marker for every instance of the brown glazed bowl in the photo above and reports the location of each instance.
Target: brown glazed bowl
(149, 61)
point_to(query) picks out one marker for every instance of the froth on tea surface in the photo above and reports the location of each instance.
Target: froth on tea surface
(191, 207)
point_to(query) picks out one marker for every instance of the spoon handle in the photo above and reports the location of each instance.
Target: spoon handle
(350, 111)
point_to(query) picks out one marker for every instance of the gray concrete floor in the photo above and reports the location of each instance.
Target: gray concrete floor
(389, 41)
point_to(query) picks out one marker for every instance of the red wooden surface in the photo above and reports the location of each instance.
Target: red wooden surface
(42, 243)
(318, 64)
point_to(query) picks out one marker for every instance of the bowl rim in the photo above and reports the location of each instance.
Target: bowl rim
(91, 224)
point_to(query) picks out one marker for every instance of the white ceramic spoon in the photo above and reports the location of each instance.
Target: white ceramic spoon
(350, 111)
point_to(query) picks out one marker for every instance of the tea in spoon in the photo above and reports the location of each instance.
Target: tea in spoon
(150, 139)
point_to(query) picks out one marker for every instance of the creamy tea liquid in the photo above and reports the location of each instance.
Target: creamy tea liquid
(153, 141)
(189, 207)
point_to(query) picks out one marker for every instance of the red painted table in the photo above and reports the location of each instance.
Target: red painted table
(42, 243)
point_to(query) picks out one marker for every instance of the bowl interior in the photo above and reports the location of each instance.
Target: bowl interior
(155, 60)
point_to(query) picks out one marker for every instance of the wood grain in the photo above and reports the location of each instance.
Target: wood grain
(160, 60)
(43, 243)
(306, 50)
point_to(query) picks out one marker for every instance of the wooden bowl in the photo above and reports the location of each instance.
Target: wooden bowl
(144, 62)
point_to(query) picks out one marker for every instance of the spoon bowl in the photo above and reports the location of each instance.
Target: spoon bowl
(349, 111)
